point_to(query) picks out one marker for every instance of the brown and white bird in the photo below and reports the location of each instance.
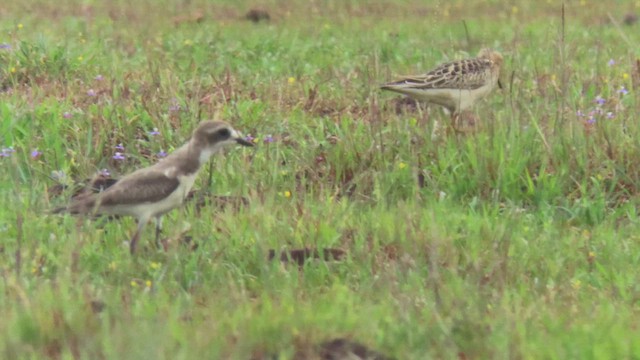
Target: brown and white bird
(155, 190)
(456, 85)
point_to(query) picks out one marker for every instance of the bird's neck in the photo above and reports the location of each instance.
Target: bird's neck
(187, 158)
(201, 154)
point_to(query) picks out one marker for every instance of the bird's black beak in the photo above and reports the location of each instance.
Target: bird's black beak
(500, 84)
(244, 142)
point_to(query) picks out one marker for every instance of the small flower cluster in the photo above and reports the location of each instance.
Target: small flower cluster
(119, 154)
(590, 117)
(156, 132)
(267, 139)
(91, 92)
(139, 283)
(175, 106)
(6, 152)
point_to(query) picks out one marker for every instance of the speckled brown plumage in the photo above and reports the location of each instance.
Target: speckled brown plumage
(455, 85)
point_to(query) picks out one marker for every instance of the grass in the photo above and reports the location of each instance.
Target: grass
(519, 241)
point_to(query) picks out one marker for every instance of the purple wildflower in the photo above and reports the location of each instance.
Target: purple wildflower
(600, 100)
(99, 77)
(104, 172)
(67, 115)
(119, 147)
(162, 153)
(154, 132)
(5, 46)
(35, 153)
(611, 62)
(269, 139)
(623, 90)
(591, 120)
(610, 115)
(6, 152)
(91, 92)
(249, 138)
(118, 156)
(579, 113)
(175, 105)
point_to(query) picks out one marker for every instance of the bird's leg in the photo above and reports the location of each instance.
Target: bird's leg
(420, 110)
(455, 117)
(134, 240)
(158, 230)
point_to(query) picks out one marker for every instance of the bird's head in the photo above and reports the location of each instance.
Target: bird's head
(494, 56)
(496, 62)
(211, 136)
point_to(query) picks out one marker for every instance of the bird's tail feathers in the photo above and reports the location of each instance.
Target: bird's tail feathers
(80, 205)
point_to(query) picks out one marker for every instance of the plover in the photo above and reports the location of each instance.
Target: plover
(456, 85)
(155, 190)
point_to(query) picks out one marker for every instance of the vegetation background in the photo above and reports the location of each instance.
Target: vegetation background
(519, 240)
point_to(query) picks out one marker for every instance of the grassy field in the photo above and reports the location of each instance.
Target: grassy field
(520, 240)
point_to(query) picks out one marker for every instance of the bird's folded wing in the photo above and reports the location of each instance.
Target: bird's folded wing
(463, 74)
(148, 186)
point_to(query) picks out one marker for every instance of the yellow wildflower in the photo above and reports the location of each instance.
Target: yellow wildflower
(576, 284)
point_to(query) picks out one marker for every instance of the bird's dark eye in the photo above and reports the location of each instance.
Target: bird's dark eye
(224, 133)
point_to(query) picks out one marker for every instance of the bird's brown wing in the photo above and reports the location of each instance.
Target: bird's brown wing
(463, 74)
(147, 186)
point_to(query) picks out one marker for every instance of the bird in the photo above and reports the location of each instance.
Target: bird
(455, 85)
(153, 191)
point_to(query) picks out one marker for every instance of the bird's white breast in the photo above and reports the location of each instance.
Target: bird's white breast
(206, 153)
